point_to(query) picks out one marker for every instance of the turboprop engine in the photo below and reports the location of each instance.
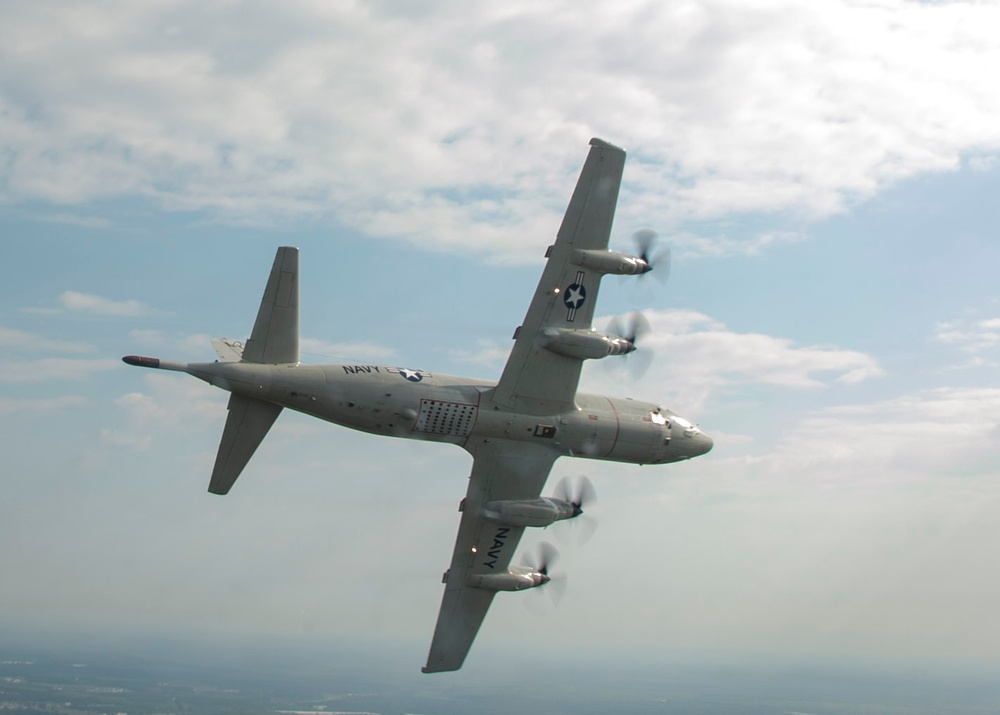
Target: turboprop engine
(517, 578)
(567, 503)
(611, 262)
(534, 512)
(585, 344)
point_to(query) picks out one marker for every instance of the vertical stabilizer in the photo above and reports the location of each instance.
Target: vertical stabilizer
(275, 336)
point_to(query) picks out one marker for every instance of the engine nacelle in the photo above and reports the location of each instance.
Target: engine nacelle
(584, 344)
(610, 262)
(517, 578)
(529, 512)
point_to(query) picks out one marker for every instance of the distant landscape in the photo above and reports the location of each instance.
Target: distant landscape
(146, 675)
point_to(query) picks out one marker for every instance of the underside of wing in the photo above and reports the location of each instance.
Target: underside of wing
(538, 380)
(484, 547)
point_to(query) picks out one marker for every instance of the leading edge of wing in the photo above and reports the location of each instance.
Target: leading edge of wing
(502, 470)
(536, 380)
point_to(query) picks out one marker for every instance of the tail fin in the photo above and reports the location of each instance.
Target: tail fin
(274, 340)
(275, 336)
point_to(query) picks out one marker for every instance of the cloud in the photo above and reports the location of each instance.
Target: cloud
(38, 405)
(310, 347)
(170, 401)
(76, 220)
(75, 302)
(969, 335)
(45, 369)
(182, 345)
(453, 121)
(487, 353)
(859, 529)
(719, 246)
(346, 351)
(166, 405)
(20, 340)
(938, 433)
(983, 163)
(709, 357)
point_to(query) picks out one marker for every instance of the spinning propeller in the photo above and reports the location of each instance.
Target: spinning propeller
(580, 493)
(546, 556)
(658, 259)
(632, 328)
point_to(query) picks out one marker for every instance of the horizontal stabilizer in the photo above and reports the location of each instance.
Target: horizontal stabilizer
(248, 421)
(228, 350)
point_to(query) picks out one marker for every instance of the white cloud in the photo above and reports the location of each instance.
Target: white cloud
(461, 120)
(197, 344)
(38, 405)
(487, 353)
(945, 432)
(121, 439)
(76, 302)
(86, 303)
(718, 246)
(345, 351)
(983, 163)
(182, 345)
(862, 529)
(168, 408)
(708, 356)
(45, 369)
(970, 335)
(76, 220)
(20, 340)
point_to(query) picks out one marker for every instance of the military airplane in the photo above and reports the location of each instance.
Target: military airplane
(514, 428)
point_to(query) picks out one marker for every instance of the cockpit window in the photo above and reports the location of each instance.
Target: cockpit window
(683, 422)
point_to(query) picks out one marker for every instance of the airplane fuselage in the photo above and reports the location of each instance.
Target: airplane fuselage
(415, 404)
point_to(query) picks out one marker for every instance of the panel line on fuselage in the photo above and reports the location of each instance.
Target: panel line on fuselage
(618, 424)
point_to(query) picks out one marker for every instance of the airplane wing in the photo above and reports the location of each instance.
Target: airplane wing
(502, 470)
(536, 380)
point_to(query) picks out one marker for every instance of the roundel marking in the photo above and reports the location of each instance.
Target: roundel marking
(574, 296)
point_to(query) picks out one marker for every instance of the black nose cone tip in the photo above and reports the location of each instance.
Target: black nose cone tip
(140, 361)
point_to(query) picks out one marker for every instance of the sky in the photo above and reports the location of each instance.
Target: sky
(825, 175)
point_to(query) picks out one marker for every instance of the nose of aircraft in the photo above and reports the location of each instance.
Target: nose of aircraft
(702, 444)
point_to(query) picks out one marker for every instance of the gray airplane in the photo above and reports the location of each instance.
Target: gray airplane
(514, 429)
